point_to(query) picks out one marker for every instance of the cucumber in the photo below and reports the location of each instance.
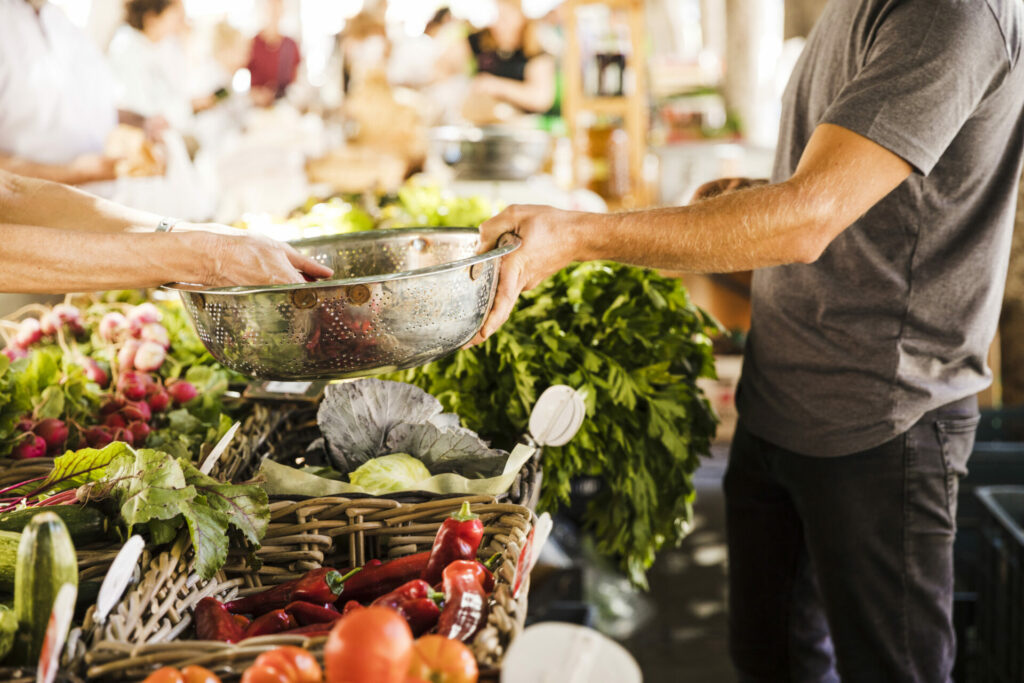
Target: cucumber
(85, 524)
(46, 561)
(8, 559)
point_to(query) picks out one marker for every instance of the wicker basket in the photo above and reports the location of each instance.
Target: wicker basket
(300, 429)
(151, 625)
(258, 424)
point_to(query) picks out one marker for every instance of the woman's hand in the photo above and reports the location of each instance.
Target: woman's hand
(236, 258)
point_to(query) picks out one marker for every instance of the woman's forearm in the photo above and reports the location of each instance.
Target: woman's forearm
(31, 201)
(42, 260)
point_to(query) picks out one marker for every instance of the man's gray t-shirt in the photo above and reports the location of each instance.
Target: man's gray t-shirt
(896, 317)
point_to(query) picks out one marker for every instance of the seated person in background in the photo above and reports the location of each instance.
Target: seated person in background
(149, 63)
(274, 59)
(58, 239)
(511, 67)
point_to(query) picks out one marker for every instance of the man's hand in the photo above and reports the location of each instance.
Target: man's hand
(253, 259)
(725, 186)
(549, 244)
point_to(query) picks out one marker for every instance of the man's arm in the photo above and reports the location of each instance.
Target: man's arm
(840, 176)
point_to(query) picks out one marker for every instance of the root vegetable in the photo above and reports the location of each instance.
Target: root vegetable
(140, 432)
(112, 326)
(29, 332)
(32, 447)
(14, 353)
(126, 356)
(98, 437)
(54, 432)
(114, 421)
(182, 391)
(157, 333)
(136, 410)
(159, 401)
(150, 356)
(144, 313)
(94, 372)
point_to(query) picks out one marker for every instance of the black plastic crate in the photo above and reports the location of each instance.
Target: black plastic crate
(999, 657)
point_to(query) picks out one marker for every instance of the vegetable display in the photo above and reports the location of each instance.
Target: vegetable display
(635, 345)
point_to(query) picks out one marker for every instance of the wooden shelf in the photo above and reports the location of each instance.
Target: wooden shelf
(615, 106)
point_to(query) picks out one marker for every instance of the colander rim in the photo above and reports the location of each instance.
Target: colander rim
(511, 242)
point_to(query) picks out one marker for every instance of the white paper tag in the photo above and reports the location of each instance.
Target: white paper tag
(287, 387)
(56, 633)
(118, 577)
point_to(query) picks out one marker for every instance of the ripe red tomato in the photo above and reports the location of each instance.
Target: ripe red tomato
(168, 674)
(372, 645)
(197, 674)
(298, 664)
(261, 673)
(442, 660)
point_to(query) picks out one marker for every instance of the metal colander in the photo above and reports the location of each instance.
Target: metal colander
(401, 298)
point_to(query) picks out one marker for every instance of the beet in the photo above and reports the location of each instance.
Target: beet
(182, 391)
(54, 432)
(32, 447)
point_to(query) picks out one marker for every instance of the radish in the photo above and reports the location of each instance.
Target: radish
(32, 447)
(25, 424)
(144, 313)
(54, 433)
(126, 356)
(124, 435)
(94, 372)
(114, 421)
(14, 353)
(112, 326)
(134, 385)
(139, 432)
(29, 332)
(157, 333)
(113, 404)
(98, 437)
(158, 401)
(138, 410)
(182, 391)
(150, 356)
(49, 324)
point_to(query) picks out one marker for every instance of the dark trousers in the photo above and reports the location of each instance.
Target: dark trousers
(846, 564)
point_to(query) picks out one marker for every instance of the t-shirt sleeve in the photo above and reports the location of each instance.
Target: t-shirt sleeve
(928, 66)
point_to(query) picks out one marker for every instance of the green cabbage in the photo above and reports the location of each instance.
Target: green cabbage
(395, 472)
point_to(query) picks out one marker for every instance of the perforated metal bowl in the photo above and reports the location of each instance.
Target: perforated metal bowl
(402, 298)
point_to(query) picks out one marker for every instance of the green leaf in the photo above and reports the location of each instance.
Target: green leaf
(75, 468)
(51, 403)
(208, 529)
(244, 505)
(163, 531)
(149, 485)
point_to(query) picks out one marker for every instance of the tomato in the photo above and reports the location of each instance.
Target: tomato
(372, 645)
(260, 673)
(197, 674)
(168, 674)
(442, 660)
(298, 664)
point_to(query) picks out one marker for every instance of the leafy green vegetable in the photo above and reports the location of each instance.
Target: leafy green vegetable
(635, 345)
(428, 206)
(165, 493)
(395, 472)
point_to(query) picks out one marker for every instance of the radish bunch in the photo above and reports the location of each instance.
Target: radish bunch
(128, 412)
(144, 341)
(34, 330)
(45, 437)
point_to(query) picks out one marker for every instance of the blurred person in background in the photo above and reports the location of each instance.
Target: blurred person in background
(511, 65)
(148, 61)
(274, 58)
(57, 97)
(58, 239)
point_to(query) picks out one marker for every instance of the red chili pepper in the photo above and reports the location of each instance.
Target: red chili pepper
(374, 581)
(416, 601)
(310, 630)
(215, 622)
(318, 586)
(458, 539)
(242, 620)
(351, 606)
(465, 601)
(308, 613)
(270, 623)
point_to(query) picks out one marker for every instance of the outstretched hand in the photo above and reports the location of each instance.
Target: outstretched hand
(549, 243)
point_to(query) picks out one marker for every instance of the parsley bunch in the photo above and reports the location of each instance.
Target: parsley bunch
(635, 345)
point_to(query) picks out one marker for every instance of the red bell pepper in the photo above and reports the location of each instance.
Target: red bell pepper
(270, 623)
(458, 539)
(416, 601)
(465, 601)
(317, 586)
(374, 581)
(215, 622)
(307, 613)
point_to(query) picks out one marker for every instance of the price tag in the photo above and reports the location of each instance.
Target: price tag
(56, 633)
(288, 387)
(274, 390)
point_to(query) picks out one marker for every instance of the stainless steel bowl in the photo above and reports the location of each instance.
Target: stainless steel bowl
(402, 298)
(491, 152)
